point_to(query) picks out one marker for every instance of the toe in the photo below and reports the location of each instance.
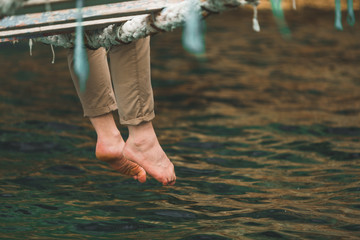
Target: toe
(169, 182)
(141, 176)
(172, 183)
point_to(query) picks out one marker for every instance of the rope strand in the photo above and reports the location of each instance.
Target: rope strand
(53, 54)
(30, 46)
(81, 65)
(351, 16)
(338, 24)
(256, 25)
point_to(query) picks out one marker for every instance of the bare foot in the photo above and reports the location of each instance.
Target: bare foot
(145, 150)
(112, 153)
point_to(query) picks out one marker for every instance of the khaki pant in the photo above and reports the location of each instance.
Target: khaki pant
(130, 76)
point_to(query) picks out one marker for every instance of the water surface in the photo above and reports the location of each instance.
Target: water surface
(264, 134)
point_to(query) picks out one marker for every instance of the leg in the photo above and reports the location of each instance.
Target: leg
(98, 102)
(130, 70)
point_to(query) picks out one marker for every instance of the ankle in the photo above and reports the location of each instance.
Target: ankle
(142, 143)
(142, 136)
(108, 136)
(139, 130)
(109, 146)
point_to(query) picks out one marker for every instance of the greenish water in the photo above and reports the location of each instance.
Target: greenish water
(264, 135)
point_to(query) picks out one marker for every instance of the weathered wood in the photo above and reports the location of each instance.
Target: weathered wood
(31, 3)
(63, 21)
(18, 34)
(42, 2)
(92, 12)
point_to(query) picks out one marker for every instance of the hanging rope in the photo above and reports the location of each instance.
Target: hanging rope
(338, 24)
(53, 54)
(81, 65)
(193, 34)
(8, 7)
(256, 25)
(350, 13)
(280, 18)
(48, 6)
(31, 46)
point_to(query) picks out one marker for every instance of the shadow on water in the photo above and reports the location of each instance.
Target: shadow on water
(264, 135)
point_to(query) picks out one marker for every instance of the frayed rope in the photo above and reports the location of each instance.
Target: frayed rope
(81, 65)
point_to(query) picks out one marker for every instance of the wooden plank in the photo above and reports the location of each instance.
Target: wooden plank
(69, 15)
(30, 3)
(18, 34)
(43, 2)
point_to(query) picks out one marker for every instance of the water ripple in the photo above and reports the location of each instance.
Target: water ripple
(264, 135)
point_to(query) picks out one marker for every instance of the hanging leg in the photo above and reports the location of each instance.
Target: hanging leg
(130, 71)
(98, 102)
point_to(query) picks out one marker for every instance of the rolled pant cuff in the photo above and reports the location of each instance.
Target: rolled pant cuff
(95, 112)
(137, 121)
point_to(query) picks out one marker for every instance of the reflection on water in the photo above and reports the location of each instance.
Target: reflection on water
(264, 134)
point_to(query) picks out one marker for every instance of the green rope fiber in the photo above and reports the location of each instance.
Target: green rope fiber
(81, 64)
(351, 16)
(280, 18)
(338, 24)
(193, 38)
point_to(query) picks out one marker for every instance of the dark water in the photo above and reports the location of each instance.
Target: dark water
(264, 135)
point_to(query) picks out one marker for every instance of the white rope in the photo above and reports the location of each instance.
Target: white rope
(31, 46)
(8, 7)
(48, 6)
(219, 5)
(141, 26)
(256, 25)
(63, 40)
(53, 54)
(294, 4)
